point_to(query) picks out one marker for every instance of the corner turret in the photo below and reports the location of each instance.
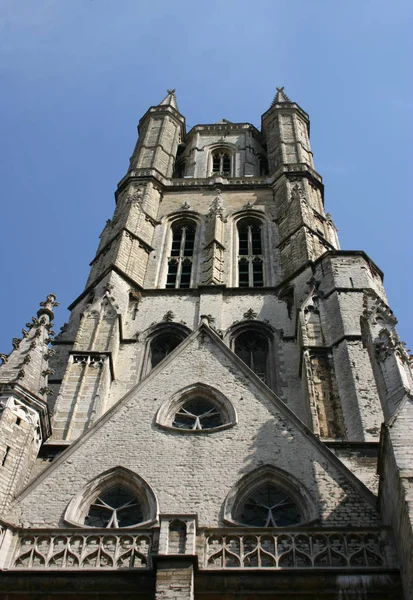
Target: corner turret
(161, 130)
(24, 415)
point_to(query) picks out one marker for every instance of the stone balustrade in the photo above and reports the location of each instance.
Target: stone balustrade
(270, 549)
(103, 549)
(82, 549)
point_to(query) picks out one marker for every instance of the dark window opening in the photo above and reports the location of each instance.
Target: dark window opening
(163, 345)
(250, 256)
(269, 507)
(182, 250)
(263, 166)
(252, 349)
(197, 414)
(18, 421)
(5, 455)
(221, 162)
(115, 508)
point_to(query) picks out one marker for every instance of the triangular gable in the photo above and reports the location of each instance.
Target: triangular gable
(190, 473)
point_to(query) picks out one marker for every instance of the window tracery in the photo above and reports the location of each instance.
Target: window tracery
(117, 498)
(269, 506)
(116, 507)
(181, 256)
(250, 253)
(162, 345)
(221, 162)
(252, 348)
(197, 413)
(197, 409)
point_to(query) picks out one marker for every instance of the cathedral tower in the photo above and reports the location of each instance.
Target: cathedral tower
(215, 404)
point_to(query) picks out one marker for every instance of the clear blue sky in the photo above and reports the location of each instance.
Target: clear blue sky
(78, 74)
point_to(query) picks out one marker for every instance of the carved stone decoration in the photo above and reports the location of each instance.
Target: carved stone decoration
(168, 316)
(388, 343)
(250, 314)
(16, 343)
(207, 319)
(185, 206)
(45, 391)
(297, 193)
(4, 358)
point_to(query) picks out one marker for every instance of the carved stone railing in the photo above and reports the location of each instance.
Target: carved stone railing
(277, 549)
(82, 549)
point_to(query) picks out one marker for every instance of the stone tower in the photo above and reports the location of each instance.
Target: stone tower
(228, 410)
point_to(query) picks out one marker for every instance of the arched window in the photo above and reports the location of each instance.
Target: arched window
(163, 344)
(269, 497)
(250, 254)
(269, 506)
(116, 507)
(252, 348)
(197, 409)
(221, 162)
(198, 413)
(181, 256)
(116, 498)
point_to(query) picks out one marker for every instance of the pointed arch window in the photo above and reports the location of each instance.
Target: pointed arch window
(269, 506)
(181, 257)
(162, 345)
(116, 498)
(221, 162)
(250, 253)
(253, 349)
(116, 507)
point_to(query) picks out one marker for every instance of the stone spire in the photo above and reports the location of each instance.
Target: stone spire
(170, 100)
(27, 365)
(280, 97)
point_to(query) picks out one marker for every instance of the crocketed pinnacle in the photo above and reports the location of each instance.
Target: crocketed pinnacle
(170, 100)
(28, 363)
(280, 97)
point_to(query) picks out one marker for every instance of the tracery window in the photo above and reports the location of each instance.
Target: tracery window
(269, 506)
(221, 162)
(250, 254)
(116, 507)
(198, 409)
(197, 414)
(181, 257)
(162, 345)
(252, 348)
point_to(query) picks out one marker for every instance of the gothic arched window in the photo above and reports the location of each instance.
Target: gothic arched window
(116, 507)
(252, 348)
(221, 162)
(181, 256)
(197, 409)
(198, 413)
(163, 344)
(250, 253)
(116, 498)
(269, 506)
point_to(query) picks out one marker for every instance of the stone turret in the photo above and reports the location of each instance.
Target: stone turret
(24, 414)
(161, 130)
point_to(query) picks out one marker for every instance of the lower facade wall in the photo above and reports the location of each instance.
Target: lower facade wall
(208, 586)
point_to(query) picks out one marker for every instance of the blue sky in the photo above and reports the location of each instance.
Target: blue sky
(78, 74)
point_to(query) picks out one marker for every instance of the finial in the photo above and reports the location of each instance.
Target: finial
(280, 97)
(170, 100)
(47, 306)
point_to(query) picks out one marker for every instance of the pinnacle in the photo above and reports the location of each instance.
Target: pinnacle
(280, 97)
(27, 364)
(170, 100)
